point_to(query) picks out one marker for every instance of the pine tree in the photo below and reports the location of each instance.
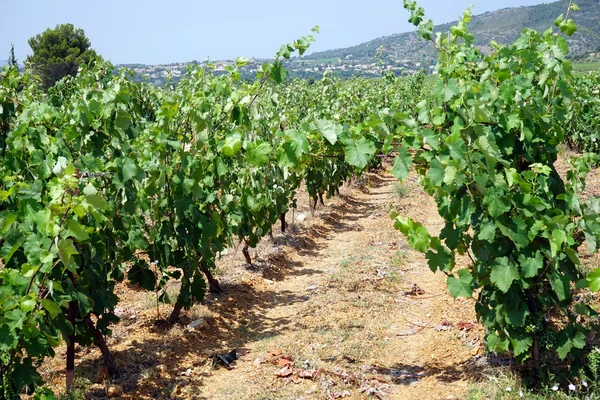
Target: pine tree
(12, 60)
(59, 52)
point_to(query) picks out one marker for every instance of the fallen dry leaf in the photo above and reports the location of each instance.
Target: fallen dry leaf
(467, 326)
(375, 389)
(414, 291)
(339, 395)
(283, 362)
(102, 375)
(285, 372)
(307, 374)
(274, 353)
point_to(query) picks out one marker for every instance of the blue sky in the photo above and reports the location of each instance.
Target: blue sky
(153, 32)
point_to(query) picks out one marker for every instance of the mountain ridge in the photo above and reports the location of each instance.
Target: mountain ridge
(503, 26)
(404, 53)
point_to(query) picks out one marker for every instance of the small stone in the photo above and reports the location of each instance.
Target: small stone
(442, 327)
(161, 368)
(408, 332)
(312, 390)
(187, 372)
(301, 217)
(482, 362)
(258, 362)
(198, 324)
(207, 352)
(114, 390)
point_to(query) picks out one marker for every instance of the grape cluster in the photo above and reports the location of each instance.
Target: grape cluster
(187, 265)
(594, 362)
(534, 327)
(8, 390)
(548, 339)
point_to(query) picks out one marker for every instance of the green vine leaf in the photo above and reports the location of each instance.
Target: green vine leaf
(402, 164)
(496, 205)
(461, 286)
(594, 280)
(530, 266)
(504, 273)
(128, 169)
(359, 153)
(329, 130)
(66, 251)
(520, 345)
(418, 237)
(232, 145)
(79, 231)
(258, 154)
(436, 173)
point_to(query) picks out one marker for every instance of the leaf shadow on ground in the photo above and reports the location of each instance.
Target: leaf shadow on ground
(472, 370)
(157, 367)
(367, 183)
(403, 374)
(236, 322)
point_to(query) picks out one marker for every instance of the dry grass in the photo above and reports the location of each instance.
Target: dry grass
(341, 294)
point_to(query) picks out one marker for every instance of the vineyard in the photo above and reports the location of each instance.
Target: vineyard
(116, 189)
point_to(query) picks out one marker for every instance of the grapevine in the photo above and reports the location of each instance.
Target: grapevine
(106, 180)
(485, 150)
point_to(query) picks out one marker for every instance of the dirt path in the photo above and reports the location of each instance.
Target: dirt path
(360, 307)
(341, 308)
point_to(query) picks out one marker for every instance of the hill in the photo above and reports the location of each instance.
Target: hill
(405, 52)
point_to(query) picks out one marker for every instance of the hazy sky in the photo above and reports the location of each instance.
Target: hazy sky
(153, 32)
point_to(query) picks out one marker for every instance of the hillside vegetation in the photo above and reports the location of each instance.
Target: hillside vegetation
(404, 53)
(405, 50)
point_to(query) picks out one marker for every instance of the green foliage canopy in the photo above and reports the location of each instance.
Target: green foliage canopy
(59, 52)
(485, 150)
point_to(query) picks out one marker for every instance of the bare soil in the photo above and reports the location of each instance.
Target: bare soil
(338, 307)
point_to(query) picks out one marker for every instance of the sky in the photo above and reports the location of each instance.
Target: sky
(169, 31)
